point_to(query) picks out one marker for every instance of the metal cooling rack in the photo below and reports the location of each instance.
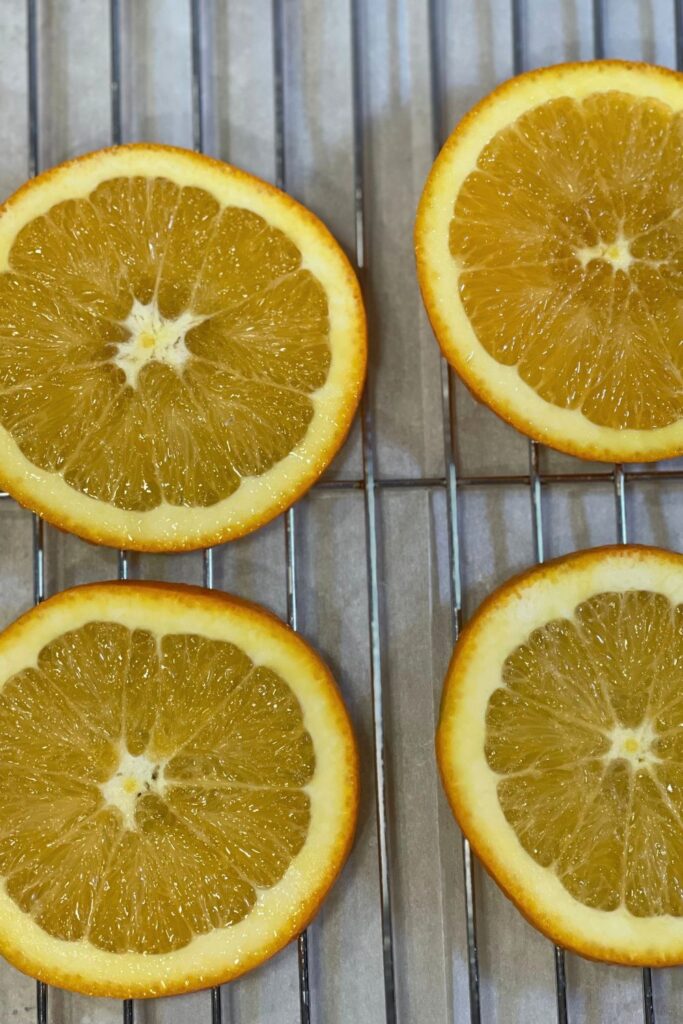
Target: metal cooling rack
(452, 483)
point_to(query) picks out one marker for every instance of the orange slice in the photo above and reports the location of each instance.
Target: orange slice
(182, 348)
(560, 747)
(178, 788)
(549, 242)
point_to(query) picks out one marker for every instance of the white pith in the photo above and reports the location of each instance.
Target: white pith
(616, 253)
(634, 745)
(135, 776)
(153, 338)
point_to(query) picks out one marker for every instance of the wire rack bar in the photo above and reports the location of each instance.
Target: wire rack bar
(290, 519)
(619, 479)
(115, 32)
(598, 25)
(619, 475)
(356, 9)
(216, 1005)
(598, 30)
(678, 27)
(115, 71)
(41, 1002)
(197, 76)
(197, 63)
(39, 574)
(116, 100)
(605, 477)
(536, 494)
(648, 996)
(33, 100)
(451, 482)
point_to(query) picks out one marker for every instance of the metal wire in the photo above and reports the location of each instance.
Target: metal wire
(451, 484)
(197, 76)
(278, 16)
(198, 144)
(598, 30)
(536, 503)
(498, 480)
(123, 565)
(41, 1002)
(620, 504)
(117, 139)
(622, 538)
(536, 495)
(371, 525)
(115, 71)
(39, 576)
(39, 587)
(39, 583)
(216, 1006)
(648, 997)
(32, 70)
(619, 476)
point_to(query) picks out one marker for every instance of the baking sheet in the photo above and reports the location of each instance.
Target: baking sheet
(517, 979)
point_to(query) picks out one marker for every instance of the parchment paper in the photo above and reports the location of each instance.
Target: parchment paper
(345, 941)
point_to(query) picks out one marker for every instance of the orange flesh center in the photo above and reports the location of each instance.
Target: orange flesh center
(586, 735)
(157, 347)
(568, 238)
(149, 786)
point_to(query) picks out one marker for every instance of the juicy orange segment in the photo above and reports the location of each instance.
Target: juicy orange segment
(165, 342)
(585, 769)
(190, 765)
(549, 252)
(572, 779)
(575, 275)
(192, 339)
(161, 789)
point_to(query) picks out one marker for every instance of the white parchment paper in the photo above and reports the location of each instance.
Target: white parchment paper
(517, 979)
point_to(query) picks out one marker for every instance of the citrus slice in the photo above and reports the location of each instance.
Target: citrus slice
(549, 243)
(560, 746)
(178, 788)
(182, 348)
